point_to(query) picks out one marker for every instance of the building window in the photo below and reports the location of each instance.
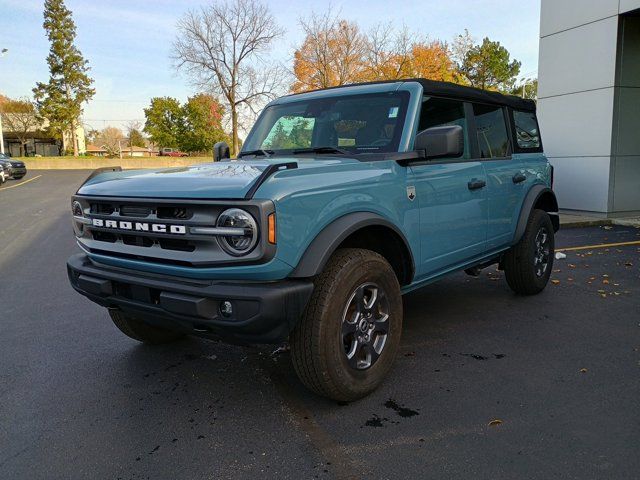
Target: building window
(493, 139)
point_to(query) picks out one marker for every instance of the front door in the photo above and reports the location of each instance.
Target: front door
(451, 194)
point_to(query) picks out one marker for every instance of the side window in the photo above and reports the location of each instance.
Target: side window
(527, 132)
(493, 139)
(440, 112)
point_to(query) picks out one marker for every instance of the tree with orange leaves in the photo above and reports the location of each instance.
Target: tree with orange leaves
(336, 52)
(332, 53)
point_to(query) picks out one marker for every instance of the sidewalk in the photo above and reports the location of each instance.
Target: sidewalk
(573, 220)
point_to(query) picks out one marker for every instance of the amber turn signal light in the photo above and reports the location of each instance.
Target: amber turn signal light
(272, 228)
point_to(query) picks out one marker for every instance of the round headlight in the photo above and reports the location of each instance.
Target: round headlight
(238, 244)
(76, 208)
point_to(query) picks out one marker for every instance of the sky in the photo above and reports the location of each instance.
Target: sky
(128, 43)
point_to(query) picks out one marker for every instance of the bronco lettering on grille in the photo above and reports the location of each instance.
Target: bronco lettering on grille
(139, 226)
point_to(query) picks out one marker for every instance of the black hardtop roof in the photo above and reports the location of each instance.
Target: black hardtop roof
(446, 89)
(453, 90)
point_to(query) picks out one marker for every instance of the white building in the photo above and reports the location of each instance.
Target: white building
(589, 102)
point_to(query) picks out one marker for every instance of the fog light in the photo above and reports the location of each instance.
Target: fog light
(76, 208)
(226, 308)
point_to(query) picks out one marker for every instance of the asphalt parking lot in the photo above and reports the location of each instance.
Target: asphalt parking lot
(488, 385)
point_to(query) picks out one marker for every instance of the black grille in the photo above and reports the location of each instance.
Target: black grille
(179, 213)
(139, 211)
(104, 236)
(102, 208)
(137, 240)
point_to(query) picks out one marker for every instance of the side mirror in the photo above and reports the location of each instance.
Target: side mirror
(441, 142)
(221, 151)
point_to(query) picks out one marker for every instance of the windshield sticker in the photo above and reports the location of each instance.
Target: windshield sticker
(393, 112)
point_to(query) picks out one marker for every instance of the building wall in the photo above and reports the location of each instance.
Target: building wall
(581, 103)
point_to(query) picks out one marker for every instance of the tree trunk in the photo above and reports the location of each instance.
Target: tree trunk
(234, 130)
(74, 139)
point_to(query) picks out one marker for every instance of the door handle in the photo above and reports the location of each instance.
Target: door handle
(476, 184)
(519, 177)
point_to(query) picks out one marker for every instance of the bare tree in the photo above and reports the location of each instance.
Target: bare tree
(221, 46)
(389, 52)
(19, 117)
(110, 139)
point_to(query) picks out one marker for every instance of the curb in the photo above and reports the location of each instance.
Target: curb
(586, 223)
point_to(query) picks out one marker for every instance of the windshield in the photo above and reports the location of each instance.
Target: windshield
(351, 124)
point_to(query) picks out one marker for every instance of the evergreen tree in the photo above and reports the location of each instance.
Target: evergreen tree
(489, 66)
(60, 100)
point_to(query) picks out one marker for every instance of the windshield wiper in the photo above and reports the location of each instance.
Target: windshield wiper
(321, 150)
(260, 152)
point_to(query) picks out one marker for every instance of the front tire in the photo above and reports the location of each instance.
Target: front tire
(142, 332)
(528, 264)
(349, 335)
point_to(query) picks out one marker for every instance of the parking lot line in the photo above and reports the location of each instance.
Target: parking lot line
(21, 183)
(602, 245)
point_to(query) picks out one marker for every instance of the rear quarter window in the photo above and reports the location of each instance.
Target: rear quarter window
(527, 131)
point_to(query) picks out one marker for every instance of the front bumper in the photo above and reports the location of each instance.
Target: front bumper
(18, 172)
(263, 312)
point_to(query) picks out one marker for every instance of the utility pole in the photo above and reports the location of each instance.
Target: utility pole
(3, 52)
(1, 136)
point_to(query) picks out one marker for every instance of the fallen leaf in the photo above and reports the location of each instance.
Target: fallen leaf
(605, 281)
(555, 282)
(583, 370)
(570, 279)
(571, 265)
(592, 278)
(495, 422)
(605, 275)
(602, 291)
(628, 264)
(603, 295)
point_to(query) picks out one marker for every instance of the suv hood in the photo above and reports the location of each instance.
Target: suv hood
(220, 180)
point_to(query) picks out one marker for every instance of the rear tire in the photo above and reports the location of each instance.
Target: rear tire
(349, 335)
(528, 264)
(142, 332)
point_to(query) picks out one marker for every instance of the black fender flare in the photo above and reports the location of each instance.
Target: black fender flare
(531, 199)
(330, 237)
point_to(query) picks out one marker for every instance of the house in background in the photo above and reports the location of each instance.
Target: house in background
(39, 143)
(96, 151)
(126, 151)
(139, 152)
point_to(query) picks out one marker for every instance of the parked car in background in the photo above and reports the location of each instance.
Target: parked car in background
(4, 173)
(15, 168)
(170, 152)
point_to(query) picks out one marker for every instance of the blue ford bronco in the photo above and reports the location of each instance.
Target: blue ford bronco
(340, 201)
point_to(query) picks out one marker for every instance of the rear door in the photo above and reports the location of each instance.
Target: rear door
(450, 193)
(505, 179)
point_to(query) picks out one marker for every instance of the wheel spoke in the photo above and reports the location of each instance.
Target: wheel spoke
(381, 325)
(354, 358)
(350, 328)
(360, 306)
(371, 354)
(373, 299)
